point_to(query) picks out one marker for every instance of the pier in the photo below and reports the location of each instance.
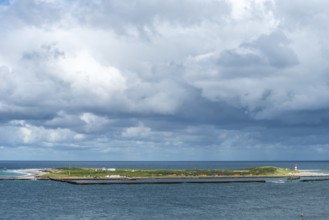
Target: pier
(97, 182)
(134, 182)
(315, 180)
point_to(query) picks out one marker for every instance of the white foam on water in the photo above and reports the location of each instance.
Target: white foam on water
(16, 172)
(10, 173)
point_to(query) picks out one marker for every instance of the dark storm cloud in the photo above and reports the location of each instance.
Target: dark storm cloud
(267, 51)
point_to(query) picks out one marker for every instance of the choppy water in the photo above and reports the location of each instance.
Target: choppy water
(53, 200)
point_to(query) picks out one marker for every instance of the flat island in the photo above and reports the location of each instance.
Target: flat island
(110, 176)
(111, 173)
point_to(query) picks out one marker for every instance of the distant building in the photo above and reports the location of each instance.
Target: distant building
(108, 169)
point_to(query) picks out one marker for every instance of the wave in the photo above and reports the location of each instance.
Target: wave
(14, 172)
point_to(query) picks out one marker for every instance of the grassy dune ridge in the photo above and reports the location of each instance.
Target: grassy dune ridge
(138, 173)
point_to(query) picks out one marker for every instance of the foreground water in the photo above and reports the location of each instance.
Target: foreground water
(53, 200)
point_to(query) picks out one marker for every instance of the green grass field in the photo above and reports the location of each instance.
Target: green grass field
(136, 173)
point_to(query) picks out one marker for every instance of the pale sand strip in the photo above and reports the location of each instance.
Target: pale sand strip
(32, 173)
(309, 173)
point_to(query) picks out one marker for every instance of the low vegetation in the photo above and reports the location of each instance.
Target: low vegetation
(136, 173)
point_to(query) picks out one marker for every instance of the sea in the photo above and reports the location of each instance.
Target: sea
(22, 199)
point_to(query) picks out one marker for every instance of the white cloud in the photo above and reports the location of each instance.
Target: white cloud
(84, 74)
(138, 131)
(93, 122)
(27, 135)
(30, 134)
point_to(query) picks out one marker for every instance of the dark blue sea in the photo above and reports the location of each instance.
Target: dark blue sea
(55, 200)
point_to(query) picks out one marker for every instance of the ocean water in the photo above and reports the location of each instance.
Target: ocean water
(54, 200)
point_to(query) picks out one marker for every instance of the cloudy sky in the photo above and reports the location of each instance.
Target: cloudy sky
(164, 80)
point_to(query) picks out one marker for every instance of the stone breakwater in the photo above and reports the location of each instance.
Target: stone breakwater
(84, 182)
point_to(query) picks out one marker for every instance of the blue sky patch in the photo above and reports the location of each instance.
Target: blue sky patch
(4, 2)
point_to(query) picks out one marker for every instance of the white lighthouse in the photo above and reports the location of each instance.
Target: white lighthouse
(296, 168)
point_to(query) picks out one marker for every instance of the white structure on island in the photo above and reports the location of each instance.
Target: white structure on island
(108, 169)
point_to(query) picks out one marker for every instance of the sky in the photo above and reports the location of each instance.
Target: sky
(164, 80)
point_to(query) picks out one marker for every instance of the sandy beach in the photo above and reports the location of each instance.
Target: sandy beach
(309, 173)
(32, 173)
